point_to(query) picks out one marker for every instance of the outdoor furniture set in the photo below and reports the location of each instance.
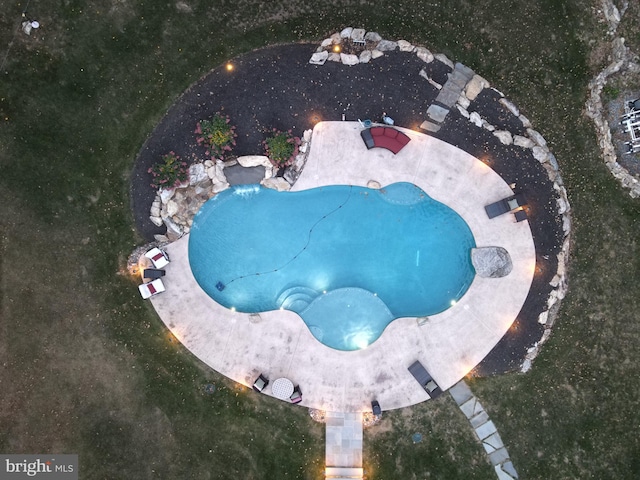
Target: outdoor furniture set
(158, 259)
(282, 388)
(631, 123)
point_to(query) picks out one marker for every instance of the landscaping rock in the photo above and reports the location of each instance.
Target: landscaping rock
(375, 53)
(536, 137)
(424, 54)
(525, 121)
(524, 142)
(277, 183)
(319, 58)
(346, 33)
(441, 57)
(348, 59)
(475, 118)
(326, 42)
(372, 37)
(491, 262)
(405, 46)
(254, 161)
(357, 34)
(510, 106)
(541, 154)
(475, 86)
(365, 56)
(386, 46)
(197, 174)
(505, 137)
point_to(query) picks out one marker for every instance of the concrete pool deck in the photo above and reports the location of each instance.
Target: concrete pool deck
(449, 345)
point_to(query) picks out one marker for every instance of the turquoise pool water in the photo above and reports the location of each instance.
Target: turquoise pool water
(349, 260)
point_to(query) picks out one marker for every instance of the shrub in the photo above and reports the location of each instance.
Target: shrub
(169, 173)
(217, 134)
(281, 148)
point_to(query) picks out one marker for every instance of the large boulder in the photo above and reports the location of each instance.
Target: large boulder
(491, 262)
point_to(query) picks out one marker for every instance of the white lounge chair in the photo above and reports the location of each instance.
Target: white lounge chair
(152, 288)
(159, 258)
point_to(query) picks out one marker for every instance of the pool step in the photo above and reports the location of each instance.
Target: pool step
(297, 299)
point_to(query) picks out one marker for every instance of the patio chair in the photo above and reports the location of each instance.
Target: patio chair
(158, 257)
(150, 289)
(375, 407)
(261, 383)
(296, 396)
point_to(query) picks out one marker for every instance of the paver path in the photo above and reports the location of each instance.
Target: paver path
(343, 454)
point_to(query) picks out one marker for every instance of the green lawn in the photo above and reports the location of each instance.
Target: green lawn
(88, 368)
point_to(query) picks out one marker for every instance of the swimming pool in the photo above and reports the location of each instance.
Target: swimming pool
(349, 260)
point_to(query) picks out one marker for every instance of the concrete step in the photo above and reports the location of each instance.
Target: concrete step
(342, 473)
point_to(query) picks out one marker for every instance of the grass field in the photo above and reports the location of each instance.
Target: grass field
(87, 367)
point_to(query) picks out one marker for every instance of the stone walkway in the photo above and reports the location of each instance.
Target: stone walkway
(485, 431)
(343, 453)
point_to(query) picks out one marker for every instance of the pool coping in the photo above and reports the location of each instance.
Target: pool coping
(449, 344)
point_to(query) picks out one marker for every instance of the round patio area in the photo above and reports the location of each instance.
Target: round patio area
(465, 166)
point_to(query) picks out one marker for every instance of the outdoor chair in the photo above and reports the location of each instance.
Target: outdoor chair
(152, 288)
(296, 396)
(261, 383)
(158, 257)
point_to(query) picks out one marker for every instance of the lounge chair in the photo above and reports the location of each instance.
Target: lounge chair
(425, 380)
(152, 288)
(505, 205)
(296, 396)
(159, 258)
(261, 383)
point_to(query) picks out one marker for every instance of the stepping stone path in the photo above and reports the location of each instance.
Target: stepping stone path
(343, 450)
(485, 431)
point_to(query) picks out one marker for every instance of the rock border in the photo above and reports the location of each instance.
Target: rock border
(621, 59)
(176, 207)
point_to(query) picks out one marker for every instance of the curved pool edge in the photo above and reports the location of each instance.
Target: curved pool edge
(449, 344)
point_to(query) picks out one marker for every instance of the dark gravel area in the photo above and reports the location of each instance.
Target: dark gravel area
(276, 87)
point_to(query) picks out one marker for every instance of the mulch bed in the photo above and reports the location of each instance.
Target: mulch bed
(276, 87)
